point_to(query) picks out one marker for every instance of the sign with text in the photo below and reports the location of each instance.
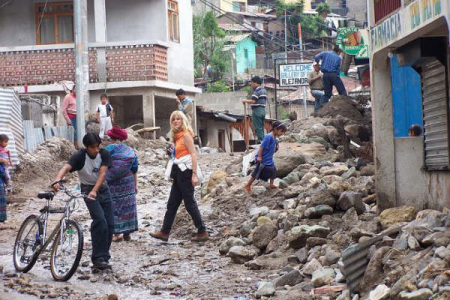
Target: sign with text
(294, 74)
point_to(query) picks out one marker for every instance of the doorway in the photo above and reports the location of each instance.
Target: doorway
(128, 110)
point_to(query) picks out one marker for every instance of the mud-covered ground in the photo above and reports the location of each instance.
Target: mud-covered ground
(143, 268)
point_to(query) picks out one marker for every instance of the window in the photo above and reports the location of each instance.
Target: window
(54, 23)
(238, 6)
(174, 27)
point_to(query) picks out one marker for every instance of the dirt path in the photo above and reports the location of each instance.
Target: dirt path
(143, 268)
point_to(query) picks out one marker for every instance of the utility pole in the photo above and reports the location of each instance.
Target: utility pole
(81, 65)
(285, 35)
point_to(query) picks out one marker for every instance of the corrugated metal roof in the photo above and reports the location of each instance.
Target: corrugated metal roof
(237, 38)
(11, 122)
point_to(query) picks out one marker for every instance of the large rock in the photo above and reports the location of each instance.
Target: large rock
(421, 294)
(368, 170)
(265, 289)
(318, 211)
(291, 279)
(348, 200)
(259, 211)
(336, 169)
(332, 257)
(286, 161)
(311, 267)
(374, 271)
(317, 129)
(322, 196)
(241, 254)
(216, 178)
(230, 243)
(396, 215)
(323, 277)
(264, 234)
(300, 234)
(381, 292)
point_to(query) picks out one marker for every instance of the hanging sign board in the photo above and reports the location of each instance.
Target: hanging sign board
(354, 41)
(294, 74)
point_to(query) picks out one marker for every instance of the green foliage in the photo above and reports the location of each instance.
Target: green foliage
(282, 114)
(323, 8)
(218, 86)
(209, 41)
(312, 25)
(249, 91)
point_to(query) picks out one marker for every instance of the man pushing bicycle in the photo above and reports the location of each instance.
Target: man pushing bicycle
(91, 164)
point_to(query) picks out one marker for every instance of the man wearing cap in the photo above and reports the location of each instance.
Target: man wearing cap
(316, 85)
(331, 68)
(258, 105)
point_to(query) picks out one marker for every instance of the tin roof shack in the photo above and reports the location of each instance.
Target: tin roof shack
(409, 68)
(139, 68)
(215, 130)
(11, 122)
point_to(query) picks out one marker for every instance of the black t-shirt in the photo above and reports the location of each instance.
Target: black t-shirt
(87, 166)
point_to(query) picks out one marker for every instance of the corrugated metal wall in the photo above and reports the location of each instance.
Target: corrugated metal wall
(11, 122)
(36, 136)
(435, 115)
(384, 7)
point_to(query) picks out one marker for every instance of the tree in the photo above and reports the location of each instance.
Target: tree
(209, 41)
(312, 25)
(323, 9)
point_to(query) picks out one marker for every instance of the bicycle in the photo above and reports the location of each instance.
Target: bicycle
(67, 247)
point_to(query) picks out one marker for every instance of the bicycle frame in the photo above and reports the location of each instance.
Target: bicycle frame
(46, 211)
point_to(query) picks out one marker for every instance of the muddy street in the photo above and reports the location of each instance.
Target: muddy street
(143, 268)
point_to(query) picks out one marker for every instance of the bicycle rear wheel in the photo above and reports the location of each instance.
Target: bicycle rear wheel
(66, 251)
(27, 244)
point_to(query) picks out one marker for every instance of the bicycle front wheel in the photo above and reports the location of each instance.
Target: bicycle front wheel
(66, 251)
(27, 244)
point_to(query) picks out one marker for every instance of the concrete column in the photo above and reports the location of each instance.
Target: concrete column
(383, 130)
(100, 37)
(148, 107)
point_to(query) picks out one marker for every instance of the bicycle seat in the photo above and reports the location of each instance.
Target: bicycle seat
(46, 195)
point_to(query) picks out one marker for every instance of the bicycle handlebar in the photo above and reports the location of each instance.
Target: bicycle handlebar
(69, 193)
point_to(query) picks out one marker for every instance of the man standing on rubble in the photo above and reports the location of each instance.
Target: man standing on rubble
(258, 105)
(331, 68)
(185, 105)
(316, 85)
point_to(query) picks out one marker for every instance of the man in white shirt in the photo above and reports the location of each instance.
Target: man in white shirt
(105, 115)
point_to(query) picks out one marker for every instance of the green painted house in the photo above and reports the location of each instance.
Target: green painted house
(244, 52)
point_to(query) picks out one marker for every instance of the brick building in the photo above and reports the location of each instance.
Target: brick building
(140, 52)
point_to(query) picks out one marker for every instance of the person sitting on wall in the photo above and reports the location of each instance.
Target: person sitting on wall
(331, 67)
(316, 85)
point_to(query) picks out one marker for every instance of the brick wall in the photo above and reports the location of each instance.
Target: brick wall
(136, 63)
(40, 67)
(123, 63)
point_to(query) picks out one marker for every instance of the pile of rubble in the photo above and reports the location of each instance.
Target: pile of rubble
(326, 203)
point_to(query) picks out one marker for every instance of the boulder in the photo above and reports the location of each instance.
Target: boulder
(336, 169)
(313, 241)
(287, 160)
(421, 294)
(263, 220)
(246, 228)
(443, 253)
(292, 278)
(216, 178)
(318, 211)
(259, 211)
(230, 243)
(374, 271)
(132, 139)
(350, 173)
(265, 289)
(322, 196)
(351, 199)
(241, 254)
(311, 267)
(396, 215)
(381, 292)
(300, 234)
(302, 255)
(332, 257)
(368, 170)
(264, 234)
(323, 277)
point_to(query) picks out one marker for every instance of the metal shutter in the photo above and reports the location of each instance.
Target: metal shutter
(435, 115)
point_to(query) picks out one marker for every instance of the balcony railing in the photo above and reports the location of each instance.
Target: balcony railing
(41, 65)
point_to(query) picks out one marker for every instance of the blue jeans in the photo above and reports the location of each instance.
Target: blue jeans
(330, 79)
(102, 226)
(317, 94)
(74, 124)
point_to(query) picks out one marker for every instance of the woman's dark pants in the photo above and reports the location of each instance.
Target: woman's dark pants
(182, 189)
